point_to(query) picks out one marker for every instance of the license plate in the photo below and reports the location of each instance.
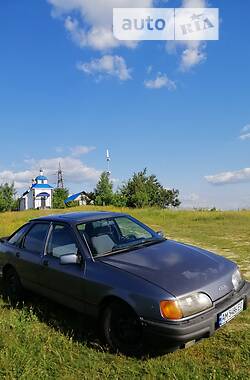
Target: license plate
(230, 313)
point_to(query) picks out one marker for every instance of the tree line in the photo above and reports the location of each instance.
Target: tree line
(141, 190)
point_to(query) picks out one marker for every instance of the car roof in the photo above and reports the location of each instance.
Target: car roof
(78, 217)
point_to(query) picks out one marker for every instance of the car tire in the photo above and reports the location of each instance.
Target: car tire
(13, 290)
(121, 329)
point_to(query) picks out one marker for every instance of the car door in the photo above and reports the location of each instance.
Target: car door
(63, 283)
(10, 248)
(29, 254)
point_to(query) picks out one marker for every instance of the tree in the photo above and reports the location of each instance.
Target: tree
(169, 198)
(59, 196)
(104, 190)
(134, 191)
(7, 197)
(119, 199)
(146, 191)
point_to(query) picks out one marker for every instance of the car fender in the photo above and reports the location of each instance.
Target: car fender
(142, 296)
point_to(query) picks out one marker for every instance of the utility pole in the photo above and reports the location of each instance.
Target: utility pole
(60, 180)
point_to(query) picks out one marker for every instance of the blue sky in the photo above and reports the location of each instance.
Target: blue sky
(69, 91)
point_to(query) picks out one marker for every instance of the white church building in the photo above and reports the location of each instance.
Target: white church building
(38, 196)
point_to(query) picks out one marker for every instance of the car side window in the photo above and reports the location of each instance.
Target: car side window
(16, 238)
(61, 242)
(35, 239)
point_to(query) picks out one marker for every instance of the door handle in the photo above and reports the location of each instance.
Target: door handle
(45, 263)
(18, 254)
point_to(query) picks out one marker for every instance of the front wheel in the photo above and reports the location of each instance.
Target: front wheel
(121, 329)
(13, 290)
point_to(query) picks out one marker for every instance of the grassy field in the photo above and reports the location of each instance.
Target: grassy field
(43, 340)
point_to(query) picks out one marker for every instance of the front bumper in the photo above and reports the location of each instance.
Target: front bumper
(193, 329)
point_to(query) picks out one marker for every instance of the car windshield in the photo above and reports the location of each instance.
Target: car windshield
(113, 235)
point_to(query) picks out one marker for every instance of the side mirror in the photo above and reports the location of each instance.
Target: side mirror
(71, 258)
(160, 233)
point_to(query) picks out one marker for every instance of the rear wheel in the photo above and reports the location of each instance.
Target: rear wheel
(121, 329)
(13, 290)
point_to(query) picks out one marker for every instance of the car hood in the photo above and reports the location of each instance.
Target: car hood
(178, 268)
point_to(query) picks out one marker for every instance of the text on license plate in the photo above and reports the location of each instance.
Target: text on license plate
(230, 313)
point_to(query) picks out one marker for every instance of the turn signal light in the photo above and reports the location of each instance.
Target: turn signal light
(170, 310)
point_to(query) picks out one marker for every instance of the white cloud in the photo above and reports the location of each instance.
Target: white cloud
(245, 132)
(81, 149)
(160, 81)
(245, 136)
(20, 179)
(108, 65)
(89, 22)
(74, 169)
(192, 53)
(78, 35)
(194, 3)
(98, 38)
(242, 175)
(75, 172)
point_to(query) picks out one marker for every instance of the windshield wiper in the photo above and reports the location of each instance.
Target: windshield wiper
(140, 243)
(124, 248)
(115, 250)
(150, 241)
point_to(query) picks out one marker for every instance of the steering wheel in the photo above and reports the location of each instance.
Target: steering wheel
(129, 237)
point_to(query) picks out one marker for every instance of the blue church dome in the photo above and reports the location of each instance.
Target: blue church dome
(41, 178)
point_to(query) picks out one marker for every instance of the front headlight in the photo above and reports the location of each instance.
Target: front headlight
(185, 306)
(237, 280)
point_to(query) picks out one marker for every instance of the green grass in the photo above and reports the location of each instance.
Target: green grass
(43, 340)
